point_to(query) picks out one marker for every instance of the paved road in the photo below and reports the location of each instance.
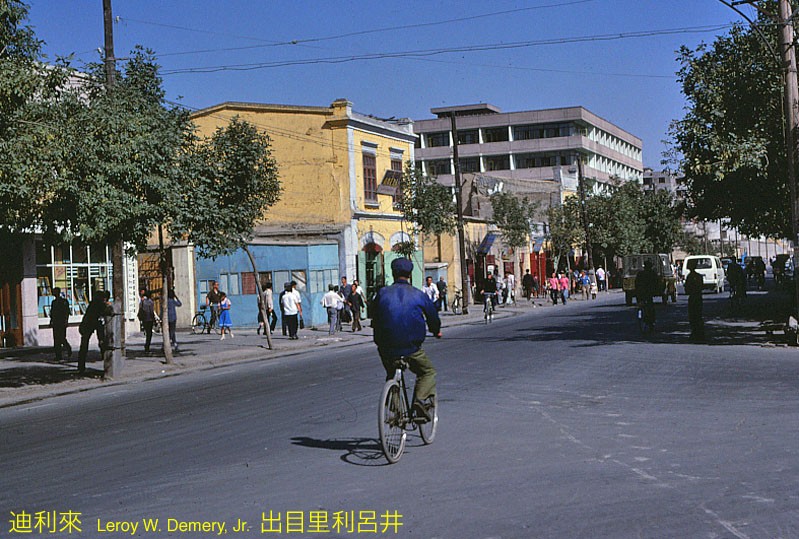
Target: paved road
(560, 423)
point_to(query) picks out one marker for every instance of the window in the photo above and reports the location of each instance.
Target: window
(320, 279)
(248, 283)
(438, 167)
(469, 164)
(526, 132)
(265, 277)
(78, 270)
(396, 166)
(495, 134)
(205, 286)
(469, 136)
(229, 283)
(438, 139)
(299, 277)
(369, 178)
(497, 162)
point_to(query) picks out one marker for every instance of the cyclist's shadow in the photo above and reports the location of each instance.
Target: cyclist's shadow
(358, 451)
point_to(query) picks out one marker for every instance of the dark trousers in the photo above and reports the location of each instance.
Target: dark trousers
(695, 316)
(172, 333)
(284, 323)
(293, 322)
(553, 294)
(421, 366)
(272, 320)
(84, 346)
(148, 334)
(60, 342)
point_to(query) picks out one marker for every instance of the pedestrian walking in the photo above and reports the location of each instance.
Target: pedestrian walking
(267, 300)
(146, 316)
(694, 282)
(527, 285)
(356, 304)
(554, 288)
(511, 280)
(283, 322)
(59, 319)
(430, 290)
(564, 288)
(332, 302)
(225, 321)
(345, 290)
(585, 284)
(172, 304)
(292, 310)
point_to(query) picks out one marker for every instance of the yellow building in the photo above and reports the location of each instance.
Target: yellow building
(338, 169)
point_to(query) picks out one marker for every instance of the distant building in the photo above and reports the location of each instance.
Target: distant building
(530, 153)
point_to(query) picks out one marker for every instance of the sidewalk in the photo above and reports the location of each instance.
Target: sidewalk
(30, 374)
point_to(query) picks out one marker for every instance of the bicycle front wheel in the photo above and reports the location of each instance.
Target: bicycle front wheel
(198, 324)
(391, 421)
(428, 430)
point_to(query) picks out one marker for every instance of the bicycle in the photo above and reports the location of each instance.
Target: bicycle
(488, 308)
(646, 316)
(457, 302)
(200, 324)
(157, 325)
(395, 415)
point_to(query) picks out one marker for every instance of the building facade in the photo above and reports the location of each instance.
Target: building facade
(530, 153)
(339, 171)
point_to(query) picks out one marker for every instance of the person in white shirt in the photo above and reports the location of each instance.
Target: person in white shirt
(511, 281)
(430, 289)
(292, 310)
(332, 303)
(600, 278)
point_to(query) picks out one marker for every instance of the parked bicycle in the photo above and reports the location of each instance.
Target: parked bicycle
(395, 416)
(457, 302)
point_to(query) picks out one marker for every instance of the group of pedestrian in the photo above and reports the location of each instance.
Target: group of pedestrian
(344, 304)
(436, 292)
(92, 323)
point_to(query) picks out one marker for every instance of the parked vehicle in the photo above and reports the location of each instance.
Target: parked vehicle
(711, 269)
(782, 268)
(662, 266)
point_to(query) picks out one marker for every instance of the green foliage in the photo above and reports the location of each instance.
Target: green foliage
(564, 226)
(425, 203)
(234, 180)
(514, 217)
(730, 143)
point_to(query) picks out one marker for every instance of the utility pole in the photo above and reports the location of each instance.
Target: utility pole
(465, 288)
(791, 107)
(584, 216)
(114, 366)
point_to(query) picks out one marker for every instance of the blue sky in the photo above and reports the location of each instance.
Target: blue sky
(566, 57)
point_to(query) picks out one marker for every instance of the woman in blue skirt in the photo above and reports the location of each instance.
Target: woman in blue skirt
(225, 323)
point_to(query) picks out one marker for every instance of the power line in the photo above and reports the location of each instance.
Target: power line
(449, 50)
(269, 43)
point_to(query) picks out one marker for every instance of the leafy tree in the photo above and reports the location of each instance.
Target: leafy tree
(426, 204)
(730, 142)
(514, 216)
(564, 228)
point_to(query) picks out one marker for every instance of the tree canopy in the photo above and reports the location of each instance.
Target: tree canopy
(730, 144)
(514, 216)
(426, 204)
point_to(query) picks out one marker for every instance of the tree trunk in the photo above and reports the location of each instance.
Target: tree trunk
(261, 306)
(164, 299)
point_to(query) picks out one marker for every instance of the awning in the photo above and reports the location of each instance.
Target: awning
(485, 245)
(539, 243)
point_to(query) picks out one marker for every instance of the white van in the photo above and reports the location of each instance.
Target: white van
(711, 270)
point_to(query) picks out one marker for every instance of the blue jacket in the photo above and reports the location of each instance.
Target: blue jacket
(398, 319)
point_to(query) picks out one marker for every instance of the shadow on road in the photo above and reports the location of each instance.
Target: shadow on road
(358, 451)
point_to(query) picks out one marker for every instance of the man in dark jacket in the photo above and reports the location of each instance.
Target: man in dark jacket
(400, 314)
(59, 318)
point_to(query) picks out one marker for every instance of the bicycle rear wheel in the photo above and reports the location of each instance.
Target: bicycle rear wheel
(428, 430)
(198, 324)
(391, 419)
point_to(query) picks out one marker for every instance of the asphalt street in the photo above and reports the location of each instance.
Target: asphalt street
(564, 422)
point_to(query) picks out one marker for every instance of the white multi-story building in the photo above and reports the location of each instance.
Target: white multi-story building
(534, 146)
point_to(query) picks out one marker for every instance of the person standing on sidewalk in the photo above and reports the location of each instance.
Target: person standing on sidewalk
(442, 293)
(554, 287)
(225, 322)
(59, 318)
(564, 287)
(172, 317)
(330, 301)
(89, 325)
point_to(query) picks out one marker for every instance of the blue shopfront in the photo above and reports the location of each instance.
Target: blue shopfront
(312, 266)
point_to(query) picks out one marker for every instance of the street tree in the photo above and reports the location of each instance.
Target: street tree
(565, 230)
(232, 181)
(515, 217)
(730, 144)
(426, 205)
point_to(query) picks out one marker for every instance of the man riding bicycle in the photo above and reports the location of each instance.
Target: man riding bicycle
(489, 291)
(400, 315)
(647, 283)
